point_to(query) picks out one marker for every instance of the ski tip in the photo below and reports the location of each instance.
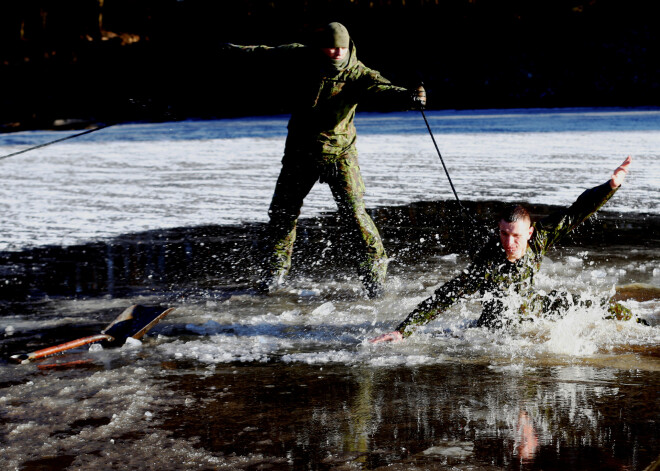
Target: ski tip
(20, 358)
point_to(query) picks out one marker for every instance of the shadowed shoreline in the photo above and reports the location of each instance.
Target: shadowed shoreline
(225, 258)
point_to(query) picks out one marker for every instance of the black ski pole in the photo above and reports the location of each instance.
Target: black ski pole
(478, 228)
(441, 159)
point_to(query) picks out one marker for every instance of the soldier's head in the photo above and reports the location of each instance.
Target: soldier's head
(334, 41)
(515, 231)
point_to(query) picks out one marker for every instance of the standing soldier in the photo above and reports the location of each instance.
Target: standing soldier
(321, 146)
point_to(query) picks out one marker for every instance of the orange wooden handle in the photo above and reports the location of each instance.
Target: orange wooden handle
(25, 357)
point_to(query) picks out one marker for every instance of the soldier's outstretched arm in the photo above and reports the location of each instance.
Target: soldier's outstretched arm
(229, 48)
(551, 229)
(459, 287)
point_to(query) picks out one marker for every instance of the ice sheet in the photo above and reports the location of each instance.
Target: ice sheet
(137, 177)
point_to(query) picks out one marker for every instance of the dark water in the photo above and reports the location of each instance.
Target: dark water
(233, 380)
(472, 416)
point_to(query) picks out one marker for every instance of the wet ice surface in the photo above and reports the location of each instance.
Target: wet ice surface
(232, 380)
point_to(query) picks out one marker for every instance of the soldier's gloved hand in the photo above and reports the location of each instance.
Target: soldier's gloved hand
(419, 98)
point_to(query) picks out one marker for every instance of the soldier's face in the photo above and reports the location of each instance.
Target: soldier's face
(335, 53)
(514, 237)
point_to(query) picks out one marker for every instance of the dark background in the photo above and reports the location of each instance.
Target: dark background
(70, 63)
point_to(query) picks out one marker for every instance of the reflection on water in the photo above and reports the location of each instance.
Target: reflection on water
(426, 418)
(150, 415)
(233, 380)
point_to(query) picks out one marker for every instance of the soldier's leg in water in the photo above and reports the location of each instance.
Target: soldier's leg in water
(616, 310)
(293, 184)
(557, 303)
(348, 191)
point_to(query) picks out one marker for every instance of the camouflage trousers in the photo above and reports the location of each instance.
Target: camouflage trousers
(342, 173)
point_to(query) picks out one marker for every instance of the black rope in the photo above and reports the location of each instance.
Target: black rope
(98, 128)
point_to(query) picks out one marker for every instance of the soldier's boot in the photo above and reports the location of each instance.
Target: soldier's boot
(276, 265)
(269, 283)
(373, 273)
(271, 277)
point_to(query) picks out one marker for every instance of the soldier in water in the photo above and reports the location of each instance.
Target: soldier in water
(320, 146)
(509, 262)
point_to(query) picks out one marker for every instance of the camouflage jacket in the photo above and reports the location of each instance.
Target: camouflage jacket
(492, 273)
(325, 99)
